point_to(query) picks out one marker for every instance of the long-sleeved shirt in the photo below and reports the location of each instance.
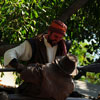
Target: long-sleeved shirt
(24, 52)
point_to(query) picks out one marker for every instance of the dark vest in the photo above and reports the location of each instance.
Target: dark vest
(39, 52)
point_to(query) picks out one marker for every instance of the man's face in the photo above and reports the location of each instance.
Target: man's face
(54, 38)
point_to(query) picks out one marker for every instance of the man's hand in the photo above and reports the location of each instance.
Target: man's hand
(15, 64)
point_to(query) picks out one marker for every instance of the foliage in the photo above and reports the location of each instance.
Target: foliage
(80, 50)
(23, 19)
(85, 58)
(92, 78)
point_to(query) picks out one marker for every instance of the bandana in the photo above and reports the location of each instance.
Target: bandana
(58, 27)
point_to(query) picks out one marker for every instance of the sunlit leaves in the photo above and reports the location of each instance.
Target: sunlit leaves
(93, 78)
(80, 50)
(35, 13)
(25, 17)
(22, 19)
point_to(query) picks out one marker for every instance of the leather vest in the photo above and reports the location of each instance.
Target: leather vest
(39, 52)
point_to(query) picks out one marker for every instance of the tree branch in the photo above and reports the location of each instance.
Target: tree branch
(5, 47)
(68, 12)
(94, 68)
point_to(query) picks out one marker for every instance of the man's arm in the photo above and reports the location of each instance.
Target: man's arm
(22, 52)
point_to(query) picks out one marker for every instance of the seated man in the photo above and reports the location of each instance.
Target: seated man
(52, 80)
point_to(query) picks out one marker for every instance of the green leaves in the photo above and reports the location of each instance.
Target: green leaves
(22, 19)
(93, 78)
(35, 13)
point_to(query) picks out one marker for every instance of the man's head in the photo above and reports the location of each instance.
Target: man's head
(56, 32)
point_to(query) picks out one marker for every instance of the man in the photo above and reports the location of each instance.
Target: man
(41, 49)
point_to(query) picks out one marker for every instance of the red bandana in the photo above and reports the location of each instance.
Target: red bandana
(58, 26)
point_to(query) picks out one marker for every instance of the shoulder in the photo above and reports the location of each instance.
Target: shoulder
(35, 41)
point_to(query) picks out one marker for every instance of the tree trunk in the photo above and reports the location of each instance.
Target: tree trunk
(68, 12)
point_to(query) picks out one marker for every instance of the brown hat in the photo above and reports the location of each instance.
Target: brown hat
(67, 63)
(58, 26)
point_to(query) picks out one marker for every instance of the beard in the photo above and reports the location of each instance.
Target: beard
(52, 42)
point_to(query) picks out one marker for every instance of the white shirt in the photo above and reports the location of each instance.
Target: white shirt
(51, 51)
(24, 52)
